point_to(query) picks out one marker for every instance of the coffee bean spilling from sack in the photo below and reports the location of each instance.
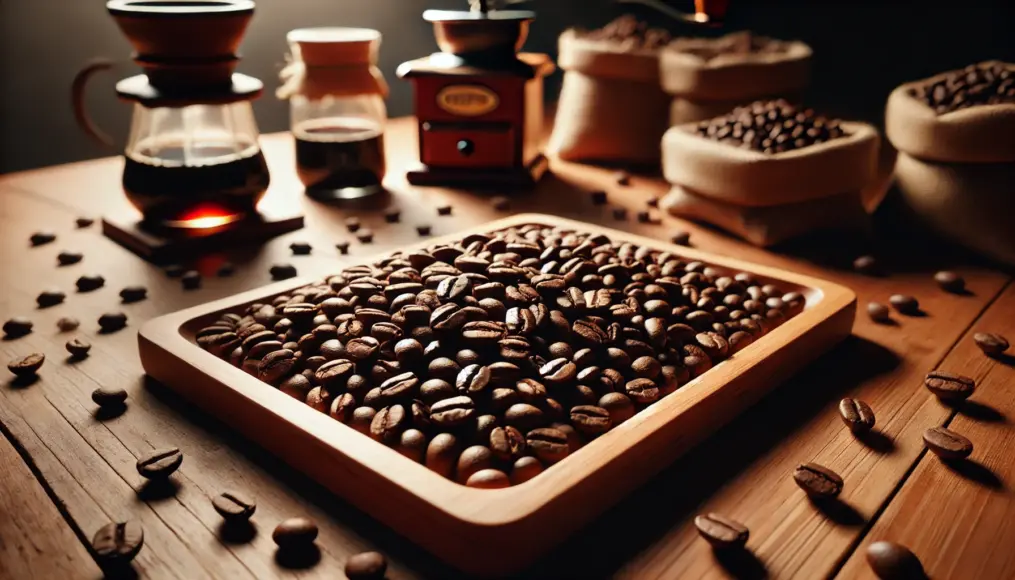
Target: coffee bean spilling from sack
(771, 127)
(989, 83)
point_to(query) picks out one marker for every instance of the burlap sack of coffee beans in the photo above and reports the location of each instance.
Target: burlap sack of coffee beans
(611, 107)
(770, 171)
(955, 133)
(709, 77)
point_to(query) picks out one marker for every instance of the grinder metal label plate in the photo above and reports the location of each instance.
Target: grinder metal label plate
(467, 100)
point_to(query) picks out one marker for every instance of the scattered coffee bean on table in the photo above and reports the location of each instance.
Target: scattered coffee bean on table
(818, 481)
(423, 230)
(352, 224)
(393, 216)
(721, 532)
(133, 294)
(622, 178)
(300, 248)
(225, 270)
(78, 348)
(160, 464)
(891, 561)
(17, 327)
(644, 217)
(681, 238)
(531, 332)
(90, 282)
(857, 415)
(501, 203)
(191, 280)
(652, 201)
(27, 365)
(991, 344)
(109, 397)
(117, 543)
(68, 324)
(619, 214)
(282, 271)
(905, 304)
(174, 270)
(342, 247)
(949, 386)
(879, 313)
(444, 210)
(84, 222)
(365, 236)
(48, 298)
(867, 265)
(112, 321)
(66, 258)
(295, 533)
(771, 127)
(950, 281)
(946, 443)
(598, 197)
(234, 507)
(366, 566)
(42, 238)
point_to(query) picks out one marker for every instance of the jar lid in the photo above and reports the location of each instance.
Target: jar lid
(334, 46)
(140, 89)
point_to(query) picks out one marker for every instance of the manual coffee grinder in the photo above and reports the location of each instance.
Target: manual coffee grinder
(193, 166)
(479, 102)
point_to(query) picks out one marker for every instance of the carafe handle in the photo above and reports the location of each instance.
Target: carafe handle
(78, 100)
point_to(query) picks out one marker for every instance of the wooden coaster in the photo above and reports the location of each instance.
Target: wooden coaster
(160, 246)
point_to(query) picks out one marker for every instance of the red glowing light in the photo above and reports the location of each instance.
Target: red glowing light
(204, 217)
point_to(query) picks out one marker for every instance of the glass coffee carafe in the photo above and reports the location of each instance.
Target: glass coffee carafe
(192, 158)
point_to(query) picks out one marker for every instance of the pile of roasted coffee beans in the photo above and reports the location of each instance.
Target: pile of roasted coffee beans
(631, 34)
(771, 127)
(493, 358)
(989, 83)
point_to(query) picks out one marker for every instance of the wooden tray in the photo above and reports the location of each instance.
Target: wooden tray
(493, 532)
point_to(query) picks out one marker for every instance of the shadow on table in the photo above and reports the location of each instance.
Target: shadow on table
(666, 502)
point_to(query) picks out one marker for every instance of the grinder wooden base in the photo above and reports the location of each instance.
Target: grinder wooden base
(514, 177)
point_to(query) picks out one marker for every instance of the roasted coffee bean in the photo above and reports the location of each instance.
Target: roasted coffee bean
(78, 348)
(174, 270)
(991, 344)
(681, 238)
(879, 312)
(296, 386)
(83, 222)
(295, 534)
(817, 481)
(365, 236)
(282, 271)
(558, 371)
(225, 270)
(442, 454)
(646, 367)
(473, 379)
(618, 405)
(905, 304)
(642, 391)
(17, 327)
(133, 294)
(109, 397)
(160, 464)
(90, 282)
(590, 420)
(524, 469)
(67, 324)
(525, 416)
(891, 561)
(721, 532)
(352, 224)
(191, 280)
(300, 248)
(403, 386)
(388, 424)
(26, 366)
(488, 479)
(950, 281)
(867, 265)
(452, 412)
(366, 566)
(117, 543)
(361, 419)
(444, 209)
(507, 443)
(856, 414)
(548, 444)
(482, 333)
(276, 365)
(48, 298)
(444, 368)
(362, 348)
(946, 443)
(42, 238)
(949, 386)
(619, 214)
(423, 230)
(598, 197)
(233, 507)
(342, 247)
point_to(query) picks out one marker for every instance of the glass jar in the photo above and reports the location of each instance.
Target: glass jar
(337, 113)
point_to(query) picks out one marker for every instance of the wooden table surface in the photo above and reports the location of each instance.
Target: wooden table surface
(65, 471)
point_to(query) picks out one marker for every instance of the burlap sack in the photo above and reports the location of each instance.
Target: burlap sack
(767, 226)
(705, 85)
(982, 134)
(754, 179)
(972, 203)
(611, 107)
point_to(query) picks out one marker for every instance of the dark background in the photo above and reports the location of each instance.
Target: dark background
(863, 48)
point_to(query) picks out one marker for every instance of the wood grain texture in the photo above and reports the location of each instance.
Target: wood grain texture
(743, 471)
(35, 541)
(477, 525)
(959, 517)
